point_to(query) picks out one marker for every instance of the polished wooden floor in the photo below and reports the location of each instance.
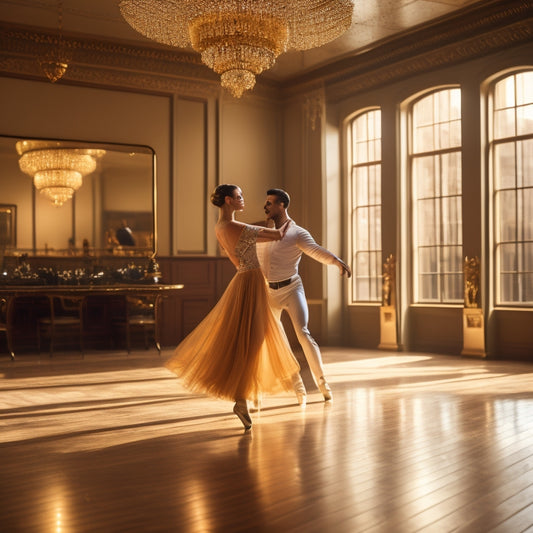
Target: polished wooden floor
(411, 442)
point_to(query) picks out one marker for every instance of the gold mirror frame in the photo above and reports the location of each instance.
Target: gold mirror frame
(8, 227)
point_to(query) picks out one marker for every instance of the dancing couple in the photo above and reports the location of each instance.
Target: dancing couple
(239, 351)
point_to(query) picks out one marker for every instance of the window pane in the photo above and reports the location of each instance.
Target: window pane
(455, 106)
(524, 88)
(376, 115)
(526, 254)
(525, 163)
(506, 216)
(526, 285)
(429, 288)
(424, 173)
(362, 263)
(452, 287)
(451, 168)
(451, 260)
(362, 291)
(427, 260)
(527, 219)
(374, 196)
(361, 151)
(452, 231)
(427, 231)
(374, 240)
(424, 139)
(504, 166)
(455, 134)
(524, 120)
(374, 149)
(361, 185)
(507, 282)
(504, 93)
(362, 228)
(504, 123)
(507, 257)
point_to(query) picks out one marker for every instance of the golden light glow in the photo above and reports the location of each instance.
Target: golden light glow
(57, 171)
(239, 39)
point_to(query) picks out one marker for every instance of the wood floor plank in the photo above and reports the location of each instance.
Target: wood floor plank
(411, 442)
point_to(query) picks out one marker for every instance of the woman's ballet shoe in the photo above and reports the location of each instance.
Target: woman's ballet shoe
(241, 410)
(299, 389)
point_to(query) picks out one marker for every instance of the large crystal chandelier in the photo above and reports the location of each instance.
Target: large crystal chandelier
(57, 171)
(239, 39)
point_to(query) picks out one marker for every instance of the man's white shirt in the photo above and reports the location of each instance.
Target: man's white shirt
(279, 260)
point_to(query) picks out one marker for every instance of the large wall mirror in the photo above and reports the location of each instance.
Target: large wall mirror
(76, 198)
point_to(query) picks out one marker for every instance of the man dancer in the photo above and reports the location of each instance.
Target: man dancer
(279, 261)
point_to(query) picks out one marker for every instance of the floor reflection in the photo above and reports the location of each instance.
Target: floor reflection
(411, 442)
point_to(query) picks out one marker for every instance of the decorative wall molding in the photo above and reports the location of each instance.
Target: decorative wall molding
(314, 103)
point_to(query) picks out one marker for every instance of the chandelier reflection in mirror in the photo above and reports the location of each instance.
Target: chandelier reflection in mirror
(239, 39)
(57, 171)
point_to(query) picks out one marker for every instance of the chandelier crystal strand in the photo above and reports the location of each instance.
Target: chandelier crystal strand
(239, 39)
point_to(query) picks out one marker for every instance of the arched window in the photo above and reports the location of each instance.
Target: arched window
(436, 189)
(364, 149)
(511, 163)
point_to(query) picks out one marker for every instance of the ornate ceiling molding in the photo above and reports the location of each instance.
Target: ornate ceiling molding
(449, 55)
(110, 64)
(481, 29)
(468, 34)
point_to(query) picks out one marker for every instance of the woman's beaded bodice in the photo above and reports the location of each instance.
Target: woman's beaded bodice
(245, 249)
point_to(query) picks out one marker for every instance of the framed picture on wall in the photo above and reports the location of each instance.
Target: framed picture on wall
(8, 226)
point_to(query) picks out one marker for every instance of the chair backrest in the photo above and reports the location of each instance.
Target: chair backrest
(71, 306)
(141, 305)
(6, 311)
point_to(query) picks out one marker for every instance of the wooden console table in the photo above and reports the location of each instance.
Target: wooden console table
(9, 294)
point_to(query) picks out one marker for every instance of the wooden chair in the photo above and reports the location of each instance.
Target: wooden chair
(65, 319)
(140, 313)
(6, 322)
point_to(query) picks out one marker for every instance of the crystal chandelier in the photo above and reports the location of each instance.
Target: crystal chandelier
(57, 171)
(239, 39)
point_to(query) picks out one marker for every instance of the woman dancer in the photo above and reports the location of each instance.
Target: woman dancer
(239, 350)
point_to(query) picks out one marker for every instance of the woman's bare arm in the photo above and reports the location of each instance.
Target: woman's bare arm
(273, 234)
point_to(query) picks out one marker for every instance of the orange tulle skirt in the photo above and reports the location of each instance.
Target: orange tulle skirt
(239, 350)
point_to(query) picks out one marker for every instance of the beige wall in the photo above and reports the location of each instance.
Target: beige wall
(251, 150)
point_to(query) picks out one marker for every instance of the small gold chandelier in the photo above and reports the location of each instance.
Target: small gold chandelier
(57, 171)
(55, 62)
(239, 39)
